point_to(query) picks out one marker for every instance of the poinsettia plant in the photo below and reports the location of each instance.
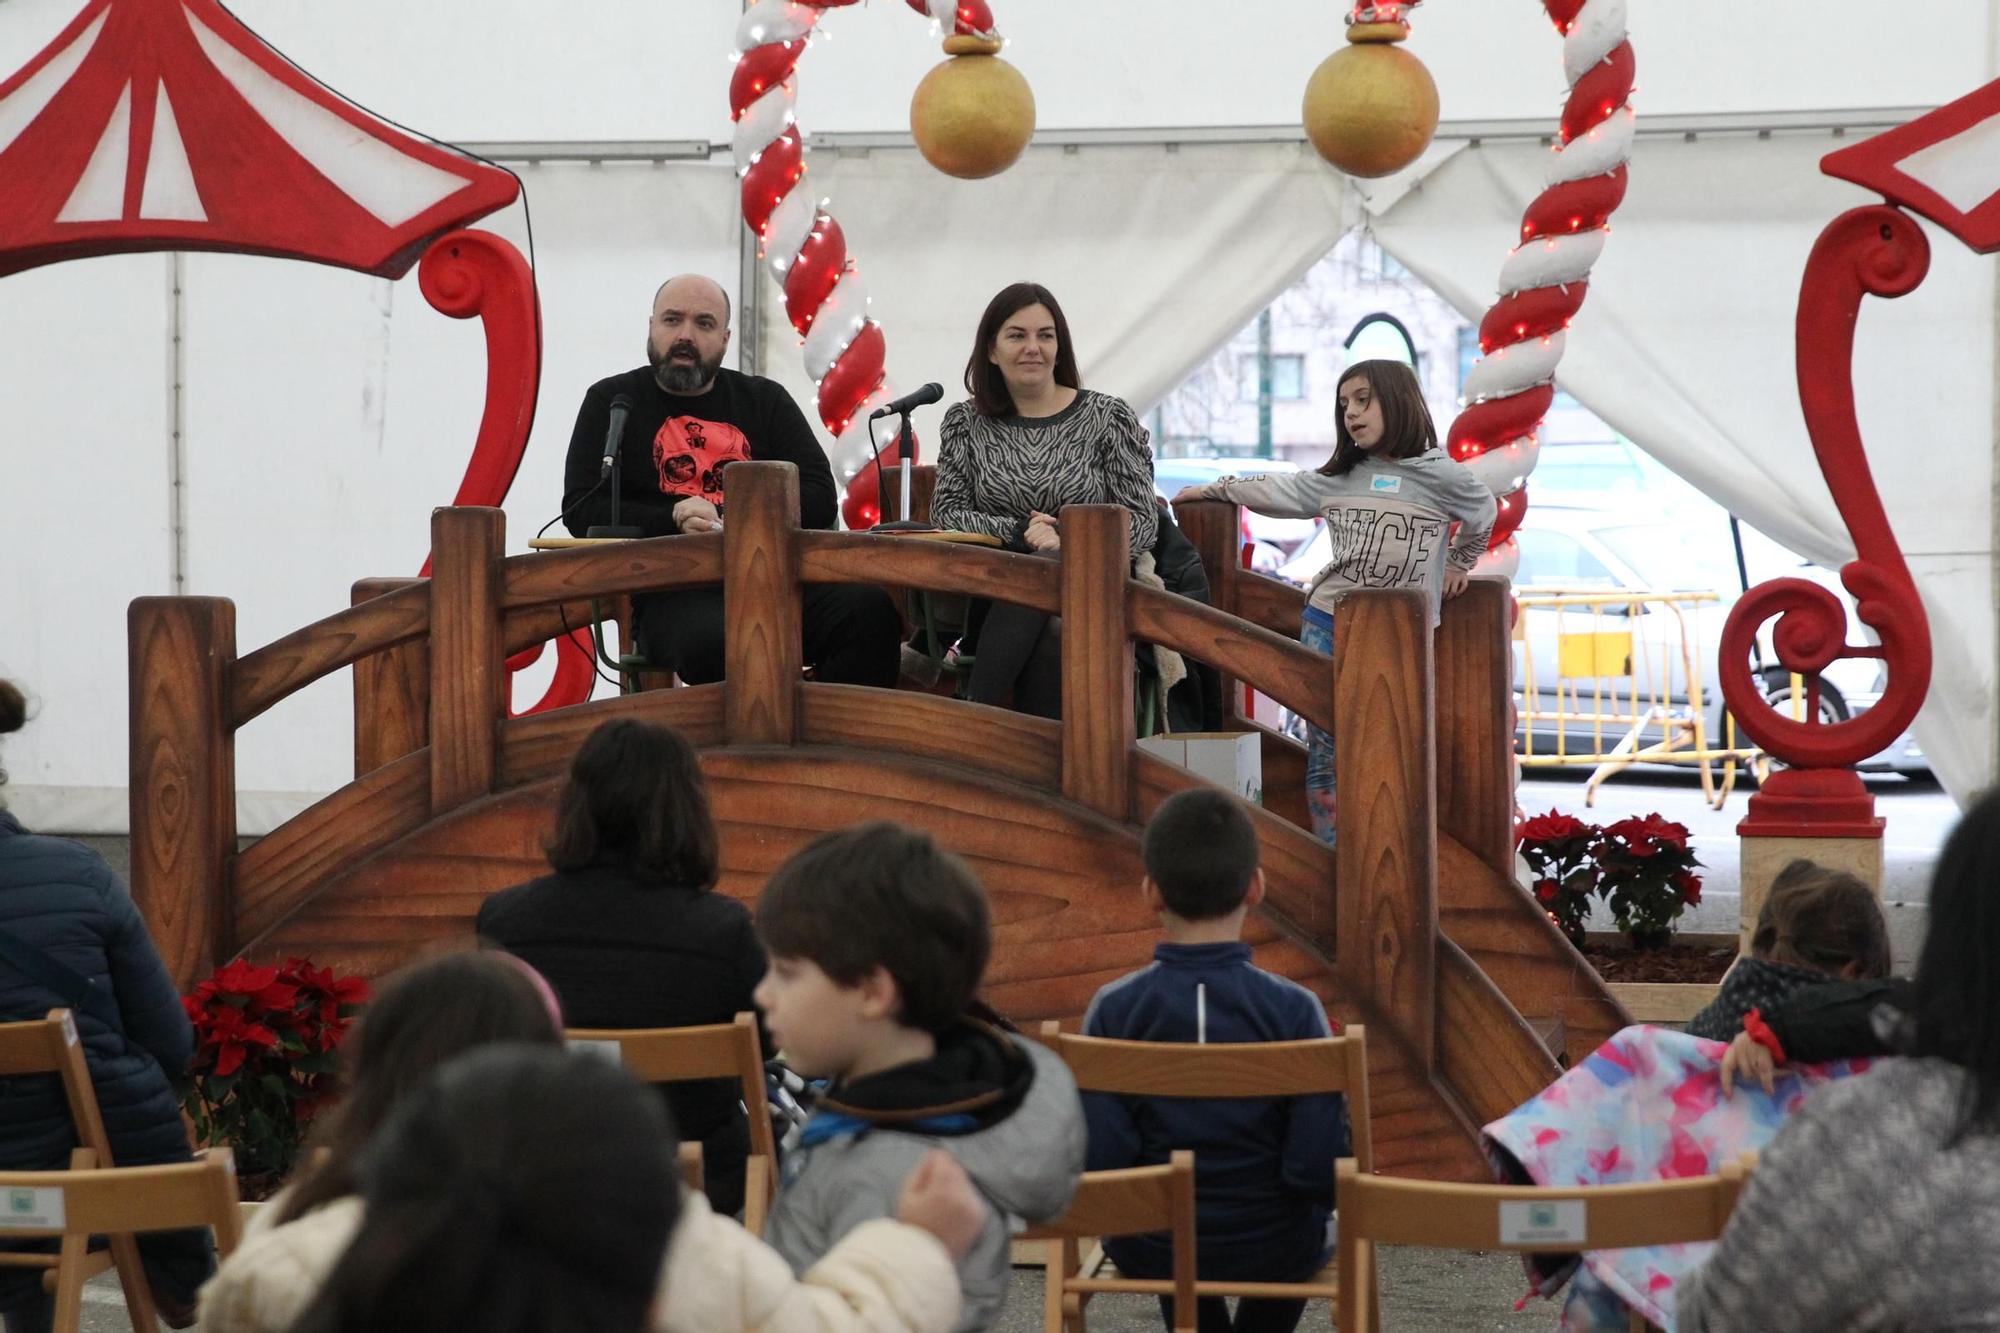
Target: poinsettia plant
(265, 1044)
(1642, 867)
(1558, 849)
(1645, 871)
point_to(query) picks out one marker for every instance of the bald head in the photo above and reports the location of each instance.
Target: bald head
(688, 333)
(693, 291)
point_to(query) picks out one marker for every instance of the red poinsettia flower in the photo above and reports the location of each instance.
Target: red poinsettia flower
(231, 1036)
(1546, 890)
(260, 987)
(1688, 884)
(1553, 827)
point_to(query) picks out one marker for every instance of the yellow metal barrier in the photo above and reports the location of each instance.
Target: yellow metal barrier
(1629, 686)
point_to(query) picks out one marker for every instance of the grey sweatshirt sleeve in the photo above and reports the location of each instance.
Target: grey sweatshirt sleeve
(1467, 500)
(1277, 494)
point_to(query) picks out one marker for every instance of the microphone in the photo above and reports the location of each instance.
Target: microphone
(621, 407)
(930, 393)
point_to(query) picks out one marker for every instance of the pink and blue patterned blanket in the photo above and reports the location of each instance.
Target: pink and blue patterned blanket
(1646, 1105)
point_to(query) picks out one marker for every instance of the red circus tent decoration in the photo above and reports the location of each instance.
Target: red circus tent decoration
(1944, 165)
(168, 125)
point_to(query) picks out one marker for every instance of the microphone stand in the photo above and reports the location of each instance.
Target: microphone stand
(906, 450)
(614, 528)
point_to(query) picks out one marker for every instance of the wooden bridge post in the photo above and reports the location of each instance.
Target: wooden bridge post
(1475, 723)
(1215, 527)
(183, 797)
(392, 693)
(762, 651)
(468, 680)
(1098, 732)
(1386, 809)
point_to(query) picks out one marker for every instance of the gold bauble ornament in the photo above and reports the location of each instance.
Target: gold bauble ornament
(1371, 108)
(974, 114)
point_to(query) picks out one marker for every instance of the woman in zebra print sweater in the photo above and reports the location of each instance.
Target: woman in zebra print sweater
(1030, 440)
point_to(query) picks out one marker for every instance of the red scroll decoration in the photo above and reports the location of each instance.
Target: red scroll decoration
(1937, 166)
(825, 297)
(1545, 278)
(167, 125)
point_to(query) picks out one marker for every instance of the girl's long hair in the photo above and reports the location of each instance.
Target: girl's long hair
(523, 1189)
(1955, 1001)
(1407, 428)
(422, 1017)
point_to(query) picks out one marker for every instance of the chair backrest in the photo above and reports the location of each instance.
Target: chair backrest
(1226, 1069)
(51, 1046)
(676, 1055)
(92, 1200)
(1387, 1210)
(1134, 1201)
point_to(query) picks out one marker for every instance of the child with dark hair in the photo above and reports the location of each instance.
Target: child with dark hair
(1263, 1166)
(628, 928)
(1817, 924)
(878, 940)
(1400, 512)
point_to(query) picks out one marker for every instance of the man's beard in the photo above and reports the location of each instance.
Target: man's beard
(681, 376)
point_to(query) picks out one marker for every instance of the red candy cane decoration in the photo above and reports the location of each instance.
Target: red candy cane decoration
(1544, 280)
(825, 296)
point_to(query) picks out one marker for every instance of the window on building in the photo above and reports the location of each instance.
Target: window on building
(1288, 378)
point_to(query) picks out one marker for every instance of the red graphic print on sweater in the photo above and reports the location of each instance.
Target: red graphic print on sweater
(690, 453)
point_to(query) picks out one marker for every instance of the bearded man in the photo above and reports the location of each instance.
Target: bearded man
(690, 418)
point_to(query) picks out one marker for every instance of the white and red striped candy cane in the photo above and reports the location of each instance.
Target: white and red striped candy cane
(1544, 280)
(825, 296)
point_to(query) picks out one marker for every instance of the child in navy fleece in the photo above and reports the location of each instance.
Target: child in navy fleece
(1263, 1166)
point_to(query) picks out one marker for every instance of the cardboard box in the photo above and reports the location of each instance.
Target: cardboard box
(1232, 760)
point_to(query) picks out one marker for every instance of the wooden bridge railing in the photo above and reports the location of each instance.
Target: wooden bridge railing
(432, 732)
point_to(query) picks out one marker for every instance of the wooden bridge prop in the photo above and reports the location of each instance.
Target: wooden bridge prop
(1415, 926)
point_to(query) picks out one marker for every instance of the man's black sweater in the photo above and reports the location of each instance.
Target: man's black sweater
(677, 446)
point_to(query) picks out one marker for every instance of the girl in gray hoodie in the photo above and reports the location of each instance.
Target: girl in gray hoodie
(1389, 496)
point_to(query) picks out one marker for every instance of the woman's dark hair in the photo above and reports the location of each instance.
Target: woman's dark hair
(1823, 919)
(422, 1017)
(521, 1190)
(635, 800)
(1407, 428)
(1955, 998)
(13, 712)
(990, 397)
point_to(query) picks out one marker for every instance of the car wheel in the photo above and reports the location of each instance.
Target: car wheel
(1777, 689)
(1777, 683)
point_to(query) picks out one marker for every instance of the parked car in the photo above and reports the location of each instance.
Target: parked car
(1586, 550)
(1273, 540)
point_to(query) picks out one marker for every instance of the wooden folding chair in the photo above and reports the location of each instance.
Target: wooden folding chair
(1229, 1070)
(1134, 1201)
(1383, 1210)
(716, 1050)
(88, 1200)
(50, 1046)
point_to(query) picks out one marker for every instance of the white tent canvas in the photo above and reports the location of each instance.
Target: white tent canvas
(270, 432)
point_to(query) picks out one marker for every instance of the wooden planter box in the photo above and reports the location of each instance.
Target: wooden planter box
(1664, 1001)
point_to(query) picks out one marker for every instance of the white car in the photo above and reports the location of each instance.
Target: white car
(1577, 550)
